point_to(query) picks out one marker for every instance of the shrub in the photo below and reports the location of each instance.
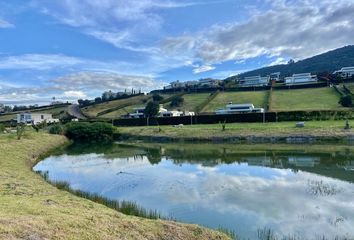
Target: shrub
(177, 101)
(346, 101)
(2, 128)
(157, 97)
(87, 132)
(56, 129)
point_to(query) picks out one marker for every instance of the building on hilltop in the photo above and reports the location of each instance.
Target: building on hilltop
(254, 81)
(301, 78)
(346, 72)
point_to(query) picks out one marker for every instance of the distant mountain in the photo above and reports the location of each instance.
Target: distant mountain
(326, 62)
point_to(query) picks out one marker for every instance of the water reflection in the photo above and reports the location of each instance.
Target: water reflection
(293, 192)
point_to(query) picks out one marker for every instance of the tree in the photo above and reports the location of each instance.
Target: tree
(98, 100)
(346, 101)
(157, 97)
(177, 101)
(151, 109)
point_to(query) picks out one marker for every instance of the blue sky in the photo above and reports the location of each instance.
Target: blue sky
(74, 49)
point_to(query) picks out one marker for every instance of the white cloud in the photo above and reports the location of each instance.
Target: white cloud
(85, 81)
(77, 85)
(204, 68)
(295, 29)
(6, 24)
(118, 22)
(75, 94)
(277, 61)
(38, 61)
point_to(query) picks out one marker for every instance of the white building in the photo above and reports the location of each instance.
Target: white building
(346, 72)
(301, 78)
(239, 108)
(35, 118)
(275, 76)
(138, 113)
(208, 82)
(254, 81)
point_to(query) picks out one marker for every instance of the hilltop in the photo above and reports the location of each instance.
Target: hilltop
(324, 63)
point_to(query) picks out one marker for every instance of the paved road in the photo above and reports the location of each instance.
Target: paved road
(75, 111)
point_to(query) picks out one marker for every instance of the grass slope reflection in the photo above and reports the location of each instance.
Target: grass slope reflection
(301, 192)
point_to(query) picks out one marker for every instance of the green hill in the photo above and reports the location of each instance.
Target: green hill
(327, 62)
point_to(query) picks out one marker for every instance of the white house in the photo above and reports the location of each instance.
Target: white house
(35, 118)
(208, 82)
(301, 78)
(172, 113)
(275, 76)
(346, 72)
(239, 108)
(138, 113)
(254, 81)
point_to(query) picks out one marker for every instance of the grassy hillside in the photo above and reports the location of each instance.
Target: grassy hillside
(94, 110)
(57, 112)
(326, 62)
(33, 209)
(258, 98)
(191, 101)
(305, 99)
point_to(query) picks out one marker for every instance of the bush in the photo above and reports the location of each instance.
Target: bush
(87, 132)
(56, 129)
(177, 101)
(2, 128)
(346, 101)
(157, 97)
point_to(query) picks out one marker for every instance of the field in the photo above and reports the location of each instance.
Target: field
(207, 131)
(258, 98)
(33, 209)
(94, 110)
(56, 111)
(191, 101)
(305, 99)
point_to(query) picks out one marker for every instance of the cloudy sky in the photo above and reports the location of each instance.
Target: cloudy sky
(74, 49)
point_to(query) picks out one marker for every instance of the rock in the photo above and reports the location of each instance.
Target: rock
(300, 124)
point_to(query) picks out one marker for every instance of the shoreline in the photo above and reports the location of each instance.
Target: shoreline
(249, 139)
(243, 133)
(34, 209)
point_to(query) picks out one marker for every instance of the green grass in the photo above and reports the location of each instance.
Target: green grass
(31, 208)
(191, 101)
(207, 131)
(56, 111)
(258, 98)
(123, 111)
(305, 99)
(93, 110)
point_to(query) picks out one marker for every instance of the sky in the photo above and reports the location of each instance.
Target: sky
(71, 49)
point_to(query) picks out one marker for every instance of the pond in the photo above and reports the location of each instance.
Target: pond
(284, 192)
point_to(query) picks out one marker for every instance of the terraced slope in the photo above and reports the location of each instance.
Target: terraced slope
(306, 99)
(99, 109)
(257, 98)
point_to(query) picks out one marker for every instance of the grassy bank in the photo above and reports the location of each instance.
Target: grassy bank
(312, 128)
(33, 209)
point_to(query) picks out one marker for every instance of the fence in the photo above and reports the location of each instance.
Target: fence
(239, 118)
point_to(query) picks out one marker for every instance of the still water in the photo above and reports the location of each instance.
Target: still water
(300, 193)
